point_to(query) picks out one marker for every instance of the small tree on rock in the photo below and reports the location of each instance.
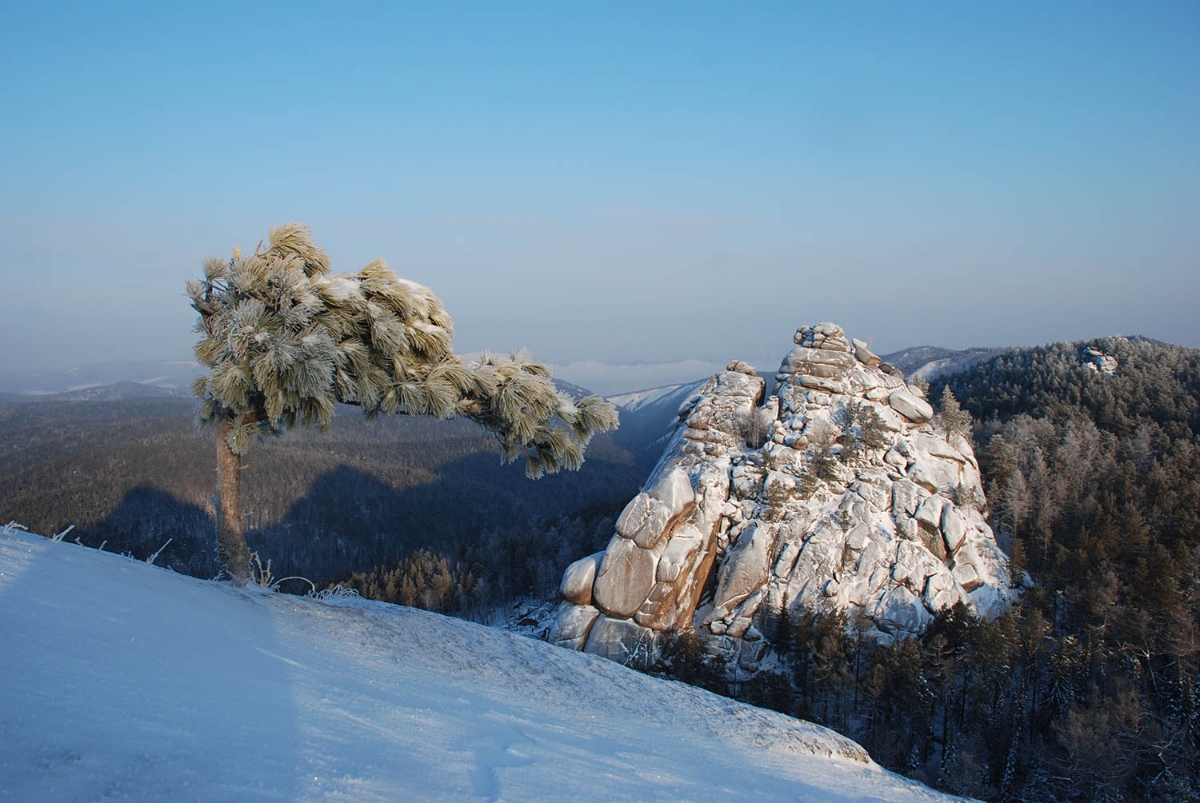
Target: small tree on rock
(285, 341)
(952, 417)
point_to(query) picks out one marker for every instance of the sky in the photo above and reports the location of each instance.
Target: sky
(611, 183)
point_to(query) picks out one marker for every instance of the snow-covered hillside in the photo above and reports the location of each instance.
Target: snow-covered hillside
(640, 399)
(124, 681)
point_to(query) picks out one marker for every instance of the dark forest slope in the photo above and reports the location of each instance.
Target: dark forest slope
(136, 473)
(1096, 478)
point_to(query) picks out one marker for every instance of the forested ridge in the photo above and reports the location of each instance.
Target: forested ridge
(1089, 688)
(1096, 479)
(133, 475)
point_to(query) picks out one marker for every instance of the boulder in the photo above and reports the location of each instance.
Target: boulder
(573, 625)
(746, 481)
(634, 515)
(654, 527)
(894, 458)
(674, 491)
(825, 384)
(965, 570)
(625, 578)
(907, 496)
(741, 367)
(954, 528)
(900, 612)
(910, 406)
(963, 447)
(675, 558)
(938, 447)
(672, 601)
(930, 512)
(786, 560)
(934, 474)
(818, 362)
(746, 568)
(913, 564)
(577, 580)
(864, 354)
(876, 491)
(622, 641)
(942, 592)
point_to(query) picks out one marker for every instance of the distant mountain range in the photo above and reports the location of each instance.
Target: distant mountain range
(120, 381)
(76, 383)
(930, 362)
(116, 381)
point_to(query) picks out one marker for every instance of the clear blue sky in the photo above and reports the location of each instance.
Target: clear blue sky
(620, 182)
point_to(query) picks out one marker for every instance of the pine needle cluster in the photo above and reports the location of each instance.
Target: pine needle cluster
(285, 340)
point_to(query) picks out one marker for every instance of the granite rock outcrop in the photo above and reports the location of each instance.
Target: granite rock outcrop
(838, 490)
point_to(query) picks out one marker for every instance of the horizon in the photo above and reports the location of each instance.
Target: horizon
(634, 186)
(605, 379)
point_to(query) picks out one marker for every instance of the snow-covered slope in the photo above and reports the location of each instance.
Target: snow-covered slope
(648, 418)
(640, 399)
(932, 362)
(129, 682)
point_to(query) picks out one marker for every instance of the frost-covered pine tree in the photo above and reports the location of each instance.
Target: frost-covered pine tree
(285, 340)
(952, 417)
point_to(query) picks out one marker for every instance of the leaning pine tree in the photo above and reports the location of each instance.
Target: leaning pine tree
(285, 341)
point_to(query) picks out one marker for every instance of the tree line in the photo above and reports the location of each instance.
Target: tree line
(471, 579)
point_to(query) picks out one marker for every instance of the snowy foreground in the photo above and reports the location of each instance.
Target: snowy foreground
(123, 681)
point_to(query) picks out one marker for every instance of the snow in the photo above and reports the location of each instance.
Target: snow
(638, 399)
(126, 681)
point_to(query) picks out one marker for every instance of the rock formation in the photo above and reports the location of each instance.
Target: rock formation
(839, 491)
(1099, 361)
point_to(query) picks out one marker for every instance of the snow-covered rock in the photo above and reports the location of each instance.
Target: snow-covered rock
(838, 492)
(1099, 361)
(911, 406)
(573, 626)
(625, 579)
(577, 580)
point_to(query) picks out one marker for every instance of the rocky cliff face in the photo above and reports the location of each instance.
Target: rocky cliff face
(839, 491)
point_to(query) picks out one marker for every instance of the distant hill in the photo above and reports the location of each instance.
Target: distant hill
(173, 374)
(119, 391)
(132, 380)
(648, 417)
(930, 362)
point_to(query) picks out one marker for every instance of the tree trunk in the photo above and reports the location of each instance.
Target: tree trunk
(231, 538)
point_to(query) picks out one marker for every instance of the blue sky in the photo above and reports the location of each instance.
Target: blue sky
(619, 182)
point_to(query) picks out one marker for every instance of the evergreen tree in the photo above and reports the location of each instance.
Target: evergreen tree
(285, 341)
(824, 465)
(952, 417)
